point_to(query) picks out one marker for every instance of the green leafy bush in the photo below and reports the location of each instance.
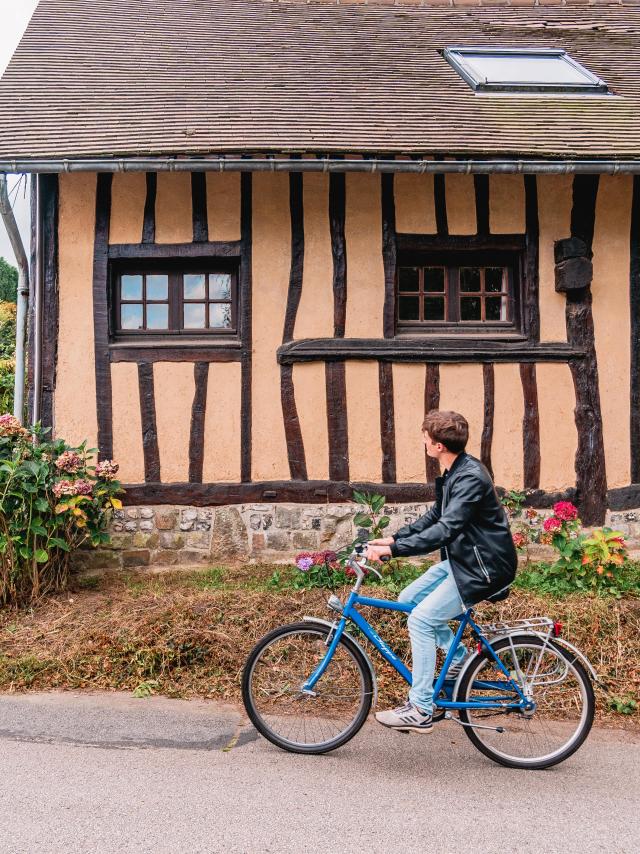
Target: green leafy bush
(52, 499)
(7, 351)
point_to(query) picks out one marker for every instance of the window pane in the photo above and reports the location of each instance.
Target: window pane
(470, 308)
(469, 278)
(493, 278)
(131, 316)
(194, 286)
(434, 308)
(157, 317)
(157, 287)
(434, 279)
(496, 308)
(409, 308)
(220, 286)
(220, 315)
(526, 69)
(194, 316)
(408, 279)
(131, 287)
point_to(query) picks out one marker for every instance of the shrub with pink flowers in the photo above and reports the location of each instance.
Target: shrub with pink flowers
(53, 498)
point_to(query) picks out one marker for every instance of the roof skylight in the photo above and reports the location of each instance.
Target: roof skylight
(522, 70)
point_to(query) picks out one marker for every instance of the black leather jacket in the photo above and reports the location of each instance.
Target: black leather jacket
(469, 525)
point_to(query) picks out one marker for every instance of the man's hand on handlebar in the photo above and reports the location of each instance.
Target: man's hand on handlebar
(377, 549)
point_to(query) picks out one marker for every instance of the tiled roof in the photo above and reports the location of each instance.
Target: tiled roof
(128, 77)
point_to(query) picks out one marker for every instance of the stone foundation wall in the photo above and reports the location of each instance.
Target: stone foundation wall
(162, 536)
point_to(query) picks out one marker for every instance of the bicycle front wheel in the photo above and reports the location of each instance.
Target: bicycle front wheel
(549, 676)
(313, 722)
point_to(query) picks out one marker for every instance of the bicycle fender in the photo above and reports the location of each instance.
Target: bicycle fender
(368, 661)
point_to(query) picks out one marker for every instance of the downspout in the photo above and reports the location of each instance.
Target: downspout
(22, 296)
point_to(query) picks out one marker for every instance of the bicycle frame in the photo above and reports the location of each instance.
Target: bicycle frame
(351, 614)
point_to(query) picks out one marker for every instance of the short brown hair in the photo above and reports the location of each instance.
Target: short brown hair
(449, 428)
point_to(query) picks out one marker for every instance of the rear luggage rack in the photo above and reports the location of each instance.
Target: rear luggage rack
(535, 624)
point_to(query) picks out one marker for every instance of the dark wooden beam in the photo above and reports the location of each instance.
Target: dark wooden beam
(49, 204)
(246, 232)
(296, 210)
(337, 207)
(337, 421)
(409, 242)
(104, 401)
(292, 429)
(440, 199)
(488, 380)
(530, 427)
(481, 187)
(634, 310)
(199, 207)
(148, 418)
(149, 221)
(531, 284)
(591, 477)
(424, 350)
(389, 254)
(198, 415)
(169, 353)
(144, 251)
(387, 422)
(431, 401)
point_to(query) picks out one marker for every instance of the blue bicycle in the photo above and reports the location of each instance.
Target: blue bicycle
(524, 697)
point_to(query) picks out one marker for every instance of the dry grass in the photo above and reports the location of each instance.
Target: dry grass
(189, 634)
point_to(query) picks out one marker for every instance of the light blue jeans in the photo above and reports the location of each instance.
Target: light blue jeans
(437, 601)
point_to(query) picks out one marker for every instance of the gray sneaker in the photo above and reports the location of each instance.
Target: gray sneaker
(407, 718)
(456, 669)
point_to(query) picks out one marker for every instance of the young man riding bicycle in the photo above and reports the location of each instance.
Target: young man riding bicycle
(478, 561)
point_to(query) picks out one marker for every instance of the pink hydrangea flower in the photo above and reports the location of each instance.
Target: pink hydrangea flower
(72, 487)
(69, 462)
(552, 524)
(107, 470)
(565, 511)
(10, 426)
(304, 563)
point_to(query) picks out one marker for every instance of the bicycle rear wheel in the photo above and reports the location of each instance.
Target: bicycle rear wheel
(300, 722)
(548, 675)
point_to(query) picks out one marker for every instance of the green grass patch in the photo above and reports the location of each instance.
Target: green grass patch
(536, 577)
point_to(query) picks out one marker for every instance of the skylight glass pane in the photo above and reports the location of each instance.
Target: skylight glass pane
(526, 69)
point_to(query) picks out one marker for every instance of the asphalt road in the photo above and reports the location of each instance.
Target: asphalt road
(109, 773)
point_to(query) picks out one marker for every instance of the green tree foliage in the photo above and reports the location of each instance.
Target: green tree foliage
(7, 353)
(8, 282)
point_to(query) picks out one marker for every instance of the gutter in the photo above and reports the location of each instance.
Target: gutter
(22, 297)
(322, 164)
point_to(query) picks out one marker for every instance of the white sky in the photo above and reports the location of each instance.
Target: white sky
(14, 17)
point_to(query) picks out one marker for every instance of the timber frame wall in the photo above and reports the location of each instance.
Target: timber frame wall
(578, 351)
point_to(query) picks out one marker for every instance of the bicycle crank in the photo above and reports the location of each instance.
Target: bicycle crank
(449, 717)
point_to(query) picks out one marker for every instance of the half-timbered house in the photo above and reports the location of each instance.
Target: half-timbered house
(267, 236)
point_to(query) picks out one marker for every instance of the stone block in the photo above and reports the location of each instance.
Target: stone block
(164, 557)
(166, 519)
(288, 518)
(121, 541)
(143, 540)
(171, 541)
(306, 539)
(204, 515)
(203, 525)
(139, 557)
(198, 540)
(258, 542)
(131, 526)
(95, 560)
(188, 556)
(189, 515)
(186, 526)
(119, 515)
(146, 513)
(261, 508)
(117, 526)
(279, 541)
(255, 521)
(145, 525)
(131, 513)
(229, 536)
(267, 521)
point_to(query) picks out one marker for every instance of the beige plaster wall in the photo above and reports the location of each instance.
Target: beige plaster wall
(271, 267)
(506, 204)
(558, 434)
(363, 416)
(462, 390)
(223, 205)
(311, 403)
(408, 405)
(415, 204)
(554, 217)
(461, 204)
(506, 449)
(174, 386)
(222, 424)
(127, 422)
(128, 196)
(315, 310)
(174, 214)
(365, 271)
(611, 321)
(75, 416)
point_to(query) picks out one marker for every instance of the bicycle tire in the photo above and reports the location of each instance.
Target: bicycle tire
(478, 738)
(258, 719)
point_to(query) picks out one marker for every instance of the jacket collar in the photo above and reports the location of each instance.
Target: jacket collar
(457, 462)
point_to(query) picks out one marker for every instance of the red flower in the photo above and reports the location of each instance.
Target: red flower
(519, 539)
(552, 524)
(565, 511)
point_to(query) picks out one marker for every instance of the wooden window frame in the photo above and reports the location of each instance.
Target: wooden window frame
(175, 269)
(452, 260)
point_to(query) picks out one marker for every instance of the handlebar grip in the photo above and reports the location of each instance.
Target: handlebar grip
(385, 558)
